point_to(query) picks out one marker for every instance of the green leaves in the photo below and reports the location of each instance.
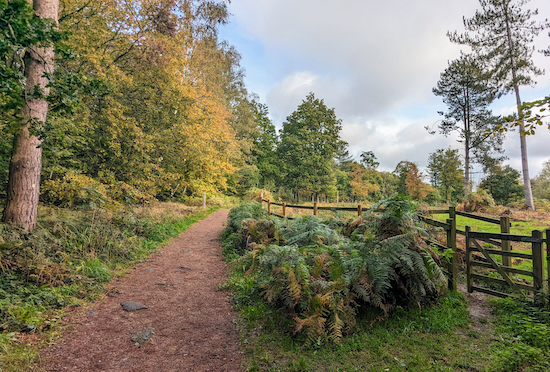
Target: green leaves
(320, 278)
(310, 139)
(20, 29)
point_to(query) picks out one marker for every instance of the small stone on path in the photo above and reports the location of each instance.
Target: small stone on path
(143, 335)
(132, 306)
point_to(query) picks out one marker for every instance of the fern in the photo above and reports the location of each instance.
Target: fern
(320, 277)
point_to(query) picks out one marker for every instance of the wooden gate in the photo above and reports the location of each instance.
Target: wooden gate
(483, 255)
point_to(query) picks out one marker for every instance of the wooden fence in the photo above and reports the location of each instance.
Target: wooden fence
(503, 221)
(485, 260)
(449, 226)
(316, 208)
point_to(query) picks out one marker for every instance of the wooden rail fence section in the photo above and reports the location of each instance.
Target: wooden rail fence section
(316, 208)
(485, 252)
(452, 265)
(485, 260)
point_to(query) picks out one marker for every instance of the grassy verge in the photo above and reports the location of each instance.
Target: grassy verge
(437, 336)
(440, 338)
(66, 261)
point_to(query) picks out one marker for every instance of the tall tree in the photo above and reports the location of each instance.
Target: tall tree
(360, 185)
(164, 124)
(368, 159)
(464, 90)
(310, 140)
(501, 35)
(444, 170)
(26, 162)
(265, 145)
(541, 183)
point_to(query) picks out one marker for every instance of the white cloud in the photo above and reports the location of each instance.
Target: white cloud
(374, 62)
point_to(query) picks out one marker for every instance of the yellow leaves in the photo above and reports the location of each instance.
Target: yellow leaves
(294, 288)
(164, 124)
(361, 188)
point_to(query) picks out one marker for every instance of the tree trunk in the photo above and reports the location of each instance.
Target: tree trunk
(467, 134)
(524, 161)
(523, 143)
(26, 162)
(466, 163)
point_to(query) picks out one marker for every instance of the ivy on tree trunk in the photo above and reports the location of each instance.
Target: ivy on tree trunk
(26, 162)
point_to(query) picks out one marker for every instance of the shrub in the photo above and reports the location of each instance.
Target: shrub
(321, 278)
(477, 201)
(75, 189)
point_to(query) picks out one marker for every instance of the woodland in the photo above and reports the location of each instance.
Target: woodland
(146, 103)
(138, 109)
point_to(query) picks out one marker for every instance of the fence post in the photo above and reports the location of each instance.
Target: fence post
(269, 207)
(506, 245)
(469, 280)
(451, 243)
(452, 213)
(315, 208)
(538, 265)
(284, 209)
(359, 210)
(548, 259)
(203, 200)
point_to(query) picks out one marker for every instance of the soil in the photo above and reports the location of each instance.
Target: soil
(188, 324)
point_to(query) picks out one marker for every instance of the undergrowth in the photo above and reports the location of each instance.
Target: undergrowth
(294, 284)
(66, 261)
(525, 331)
(322, 279)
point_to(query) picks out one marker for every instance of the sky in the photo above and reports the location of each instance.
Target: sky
(375, 63)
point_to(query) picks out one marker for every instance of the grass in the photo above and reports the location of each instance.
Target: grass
(66, 261)
(443, 337)
(524, 224)
(438, 338)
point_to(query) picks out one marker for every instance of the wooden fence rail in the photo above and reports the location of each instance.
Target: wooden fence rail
(503, 221)
(316, 208)
(501, 240)
(486, 261)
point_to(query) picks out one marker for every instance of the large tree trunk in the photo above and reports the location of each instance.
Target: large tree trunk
(523, 143)
(26, 162)
(524, 162)
(466, 159)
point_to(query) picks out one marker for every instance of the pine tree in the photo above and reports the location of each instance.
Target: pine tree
(501, 36)
(464, 90)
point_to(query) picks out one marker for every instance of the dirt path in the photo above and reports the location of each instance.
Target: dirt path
(194, 327)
